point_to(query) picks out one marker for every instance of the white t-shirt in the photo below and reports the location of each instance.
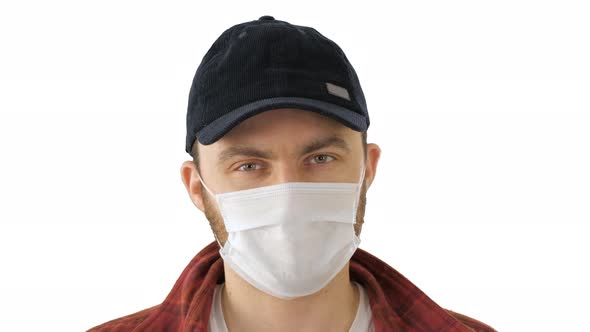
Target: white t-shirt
(363, 322)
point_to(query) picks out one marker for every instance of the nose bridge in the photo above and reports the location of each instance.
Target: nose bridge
(287, 172)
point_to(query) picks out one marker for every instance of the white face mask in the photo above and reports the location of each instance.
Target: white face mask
(290, 239)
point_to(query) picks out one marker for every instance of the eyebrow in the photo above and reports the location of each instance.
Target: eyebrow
(334, 141)
(247, 151)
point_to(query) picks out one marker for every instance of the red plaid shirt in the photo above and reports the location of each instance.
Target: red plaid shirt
(396, 304)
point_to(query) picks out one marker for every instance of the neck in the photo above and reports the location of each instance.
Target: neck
(245, 308)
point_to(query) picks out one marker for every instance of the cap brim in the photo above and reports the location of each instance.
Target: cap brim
(216, 129)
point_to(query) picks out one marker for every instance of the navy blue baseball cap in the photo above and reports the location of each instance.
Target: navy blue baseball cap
(268, 64)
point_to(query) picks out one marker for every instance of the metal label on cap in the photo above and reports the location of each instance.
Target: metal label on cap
(337, 91)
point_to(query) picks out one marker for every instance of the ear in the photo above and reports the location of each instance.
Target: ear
(190, 178)
(373, 155)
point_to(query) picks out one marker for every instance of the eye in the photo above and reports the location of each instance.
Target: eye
(322, 158)
(248, 167)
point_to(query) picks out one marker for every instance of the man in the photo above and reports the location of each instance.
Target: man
(277, 125)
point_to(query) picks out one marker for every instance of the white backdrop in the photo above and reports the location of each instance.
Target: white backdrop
(482, 111)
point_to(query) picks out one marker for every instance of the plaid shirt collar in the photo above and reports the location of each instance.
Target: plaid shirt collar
(396, 303)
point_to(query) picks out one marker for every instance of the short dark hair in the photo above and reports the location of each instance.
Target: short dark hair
(195, 150)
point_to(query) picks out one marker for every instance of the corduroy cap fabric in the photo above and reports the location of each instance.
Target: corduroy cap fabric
(268, 64)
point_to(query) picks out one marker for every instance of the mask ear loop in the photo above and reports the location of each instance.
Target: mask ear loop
(204, 185)
(359, 188)
(214, 197)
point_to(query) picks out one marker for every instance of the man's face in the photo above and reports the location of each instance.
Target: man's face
(278, 146)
